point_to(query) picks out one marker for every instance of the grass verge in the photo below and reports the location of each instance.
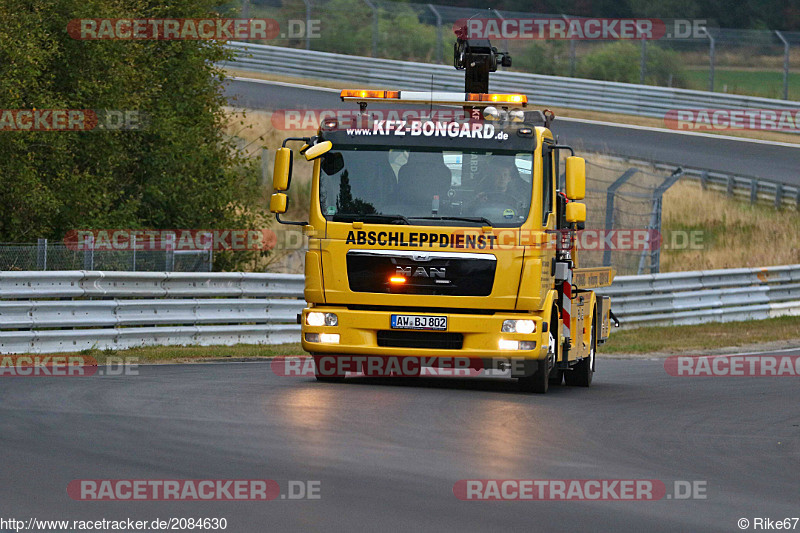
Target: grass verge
(188, 354)
(766, 83)
(688, 339)
(732, 233)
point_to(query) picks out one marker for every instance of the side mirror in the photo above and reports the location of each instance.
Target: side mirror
(576, 178)
(282, 170)
(317, 150)
(576, 212)
(277, 203)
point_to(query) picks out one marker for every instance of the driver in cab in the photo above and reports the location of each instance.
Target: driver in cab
(505, 187)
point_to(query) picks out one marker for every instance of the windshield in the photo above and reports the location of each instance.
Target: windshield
(426, 187)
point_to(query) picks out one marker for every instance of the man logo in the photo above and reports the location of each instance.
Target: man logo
(421, 272)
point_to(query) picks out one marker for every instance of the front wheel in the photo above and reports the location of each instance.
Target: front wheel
(539, 381)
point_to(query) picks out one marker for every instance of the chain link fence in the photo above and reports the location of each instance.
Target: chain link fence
(58, 256)
(688, 55)
(623, 209)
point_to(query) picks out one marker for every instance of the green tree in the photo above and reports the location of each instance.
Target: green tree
(177, 171)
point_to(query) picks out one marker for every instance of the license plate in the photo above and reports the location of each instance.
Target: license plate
(419, 322)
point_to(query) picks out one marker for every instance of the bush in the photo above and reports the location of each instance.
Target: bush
(551, 59)
(619, 61)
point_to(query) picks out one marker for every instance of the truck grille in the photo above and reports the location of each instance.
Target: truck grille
(420, 339)
(442, 273)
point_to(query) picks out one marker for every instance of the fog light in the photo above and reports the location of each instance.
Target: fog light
(329, 338)
(527, 345)
(506, 344)
(324, 338)
(519, 326)
(331, 319)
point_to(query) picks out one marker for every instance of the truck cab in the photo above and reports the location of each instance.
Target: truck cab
(446, 238)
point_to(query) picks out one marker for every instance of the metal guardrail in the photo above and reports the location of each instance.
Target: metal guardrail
(70, 311)
(696, 297)
(742, 187)
(575, 93)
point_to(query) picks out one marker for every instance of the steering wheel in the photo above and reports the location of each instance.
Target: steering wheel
(494, 198)
(497, 197)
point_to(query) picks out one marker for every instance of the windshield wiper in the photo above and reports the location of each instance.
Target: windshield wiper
(466, 219)
(347, 217)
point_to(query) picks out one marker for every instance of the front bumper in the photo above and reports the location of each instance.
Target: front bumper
(481, 333)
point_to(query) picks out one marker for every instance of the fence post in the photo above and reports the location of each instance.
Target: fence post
(571, 51)
(785, 64)
(88, 253)
(778, 195)
(308, 22)
(41, 255)
(169, 252)
(374, 9)
(655, 224)
(439, 41)
(711, 61)
(610, 193)
(753, 191)
(265, 167)
(643, 62)
(729, 190)
(704, 179)
(133, 249)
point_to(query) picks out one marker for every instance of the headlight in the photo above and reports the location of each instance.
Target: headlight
(519, 326)
(315, 318)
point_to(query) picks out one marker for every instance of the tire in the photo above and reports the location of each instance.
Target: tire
(538, 382)
(581, 374)
(326, 378)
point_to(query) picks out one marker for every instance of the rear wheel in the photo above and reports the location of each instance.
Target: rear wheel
(581, 374)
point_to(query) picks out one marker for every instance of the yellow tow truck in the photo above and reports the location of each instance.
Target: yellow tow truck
(448, 238)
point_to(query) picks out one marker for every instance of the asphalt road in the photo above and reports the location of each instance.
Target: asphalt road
(387, 452)
(770, 161)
